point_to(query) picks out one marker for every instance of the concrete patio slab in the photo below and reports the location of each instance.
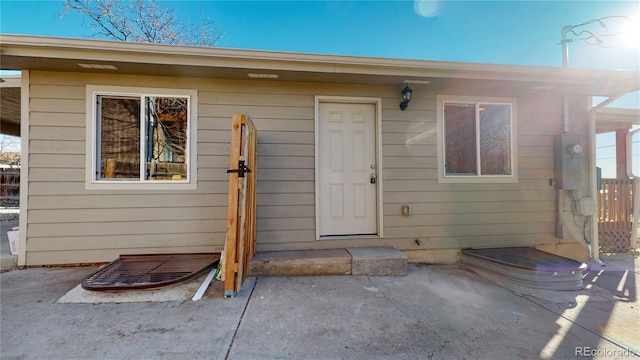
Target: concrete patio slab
(437, 312)
(35, 326)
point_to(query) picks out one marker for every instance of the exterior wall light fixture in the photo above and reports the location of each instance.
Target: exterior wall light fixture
(406, 97)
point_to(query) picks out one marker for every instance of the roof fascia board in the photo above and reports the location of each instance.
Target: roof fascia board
(175, 55)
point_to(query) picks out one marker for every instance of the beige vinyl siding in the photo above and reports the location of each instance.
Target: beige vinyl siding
(465, 215)
(68, 224)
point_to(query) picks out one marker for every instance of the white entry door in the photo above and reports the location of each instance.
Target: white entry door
(347, 172)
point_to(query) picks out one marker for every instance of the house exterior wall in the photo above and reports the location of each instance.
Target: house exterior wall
(67, 223)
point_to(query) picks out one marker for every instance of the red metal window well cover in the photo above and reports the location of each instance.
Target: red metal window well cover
(130, 272)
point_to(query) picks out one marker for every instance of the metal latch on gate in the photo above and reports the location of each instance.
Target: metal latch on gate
(241, 170)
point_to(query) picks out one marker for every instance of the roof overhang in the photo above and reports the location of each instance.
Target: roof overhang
(20, 52)
(612, 119)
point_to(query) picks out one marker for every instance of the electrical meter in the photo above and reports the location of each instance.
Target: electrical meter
(568, 161)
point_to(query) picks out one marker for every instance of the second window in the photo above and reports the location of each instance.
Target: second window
(477, 139)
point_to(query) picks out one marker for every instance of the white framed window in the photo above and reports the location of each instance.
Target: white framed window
(476, 139)
(141, 138)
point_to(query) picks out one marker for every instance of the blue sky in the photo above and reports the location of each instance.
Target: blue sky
(507, 32)
(502, 32)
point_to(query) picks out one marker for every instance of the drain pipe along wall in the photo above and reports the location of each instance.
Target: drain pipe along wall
(593, 175)
(568, 174)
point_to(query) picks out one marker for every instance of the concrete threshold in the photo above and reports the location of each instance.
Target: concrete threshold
(375, 261)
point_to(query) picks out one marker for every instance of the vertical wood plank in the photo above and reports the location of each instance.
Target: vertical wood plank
(230, 246)
(241, 226)
(610, 196)
(251, 192)
(242, 206)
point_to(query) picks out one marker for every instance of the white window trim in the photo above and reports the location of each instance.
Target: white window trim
(91, 183)
(442, 177)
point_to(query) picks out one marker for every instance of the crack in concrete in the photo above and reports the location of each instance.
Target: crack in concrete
(390, 301)
(444, 344)
(244, 310)
(493, 331)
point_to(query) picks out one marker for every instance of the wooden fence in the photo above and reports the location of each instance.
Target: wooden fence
(10, 183)
(615, 215)
(240, 244)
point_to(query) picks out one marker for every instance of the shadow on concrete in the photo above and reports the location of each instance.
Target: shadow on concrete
(606, 307)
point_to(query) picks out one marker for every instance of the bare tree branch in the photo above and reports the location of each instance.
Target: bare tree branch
(143, 21)
(9, 150)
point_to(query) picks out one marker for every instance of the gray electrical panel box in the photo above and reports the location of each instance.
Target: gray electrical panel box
(567, 153)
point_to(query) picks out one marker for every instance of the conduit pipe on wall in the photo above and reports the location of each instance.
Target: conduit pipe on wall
(560, 193)
(560, 210)
(565, 114)
(560, 231)
(594, 252)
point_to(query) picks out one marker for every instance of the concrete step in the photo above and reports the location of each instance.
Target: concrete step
(375, 261)
(381, 261)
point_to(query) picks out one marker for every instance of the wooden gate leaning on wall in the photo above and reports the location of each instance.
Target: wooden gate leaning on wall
(241, 219)
(615, 215)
